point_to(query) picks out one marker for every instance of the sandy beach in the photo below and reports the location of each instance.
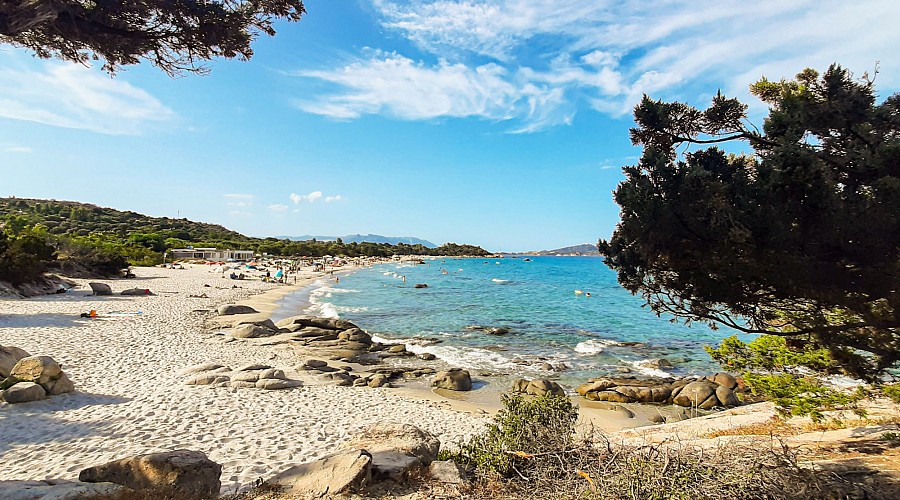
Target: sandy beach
(131, 398)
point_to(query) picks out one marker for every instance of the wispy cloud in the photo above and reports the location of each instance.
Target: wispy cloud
(72, 96)
(14, 148)
(278, 208)
(242, 200)
(531, 63)
(314, 197)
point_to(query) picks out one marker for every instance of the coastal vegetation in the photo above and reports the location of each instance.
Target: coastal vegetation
(797, 239)
(173, 36)
(82, 239)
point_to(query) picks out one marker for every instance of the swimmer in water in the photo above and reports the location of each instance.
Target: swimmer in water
(587, 294)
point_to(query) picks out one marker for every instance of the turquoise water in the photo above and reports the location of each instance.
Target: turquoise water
(604, 333)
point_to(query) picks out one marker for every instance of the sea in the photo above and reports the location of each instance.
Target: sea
(566, 318)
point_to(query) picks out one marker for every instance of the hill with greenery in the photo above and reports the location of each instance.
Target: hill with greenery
(583, 249)
(83, 239)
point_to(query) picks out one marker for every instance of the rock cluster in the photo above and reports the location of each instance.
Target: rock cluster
(381, 452)
(538, 387)
(252, 376)
(30, 378)
(717, 390)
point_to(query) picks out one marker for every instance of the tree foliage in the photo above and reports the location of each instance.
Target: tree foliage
(176, 36)
(799, 239)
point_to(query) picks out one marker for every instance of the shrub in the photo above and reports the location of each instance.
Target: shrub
(522, 428)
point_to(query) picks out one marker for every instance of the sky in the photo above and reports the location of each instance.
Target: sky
(497, 123)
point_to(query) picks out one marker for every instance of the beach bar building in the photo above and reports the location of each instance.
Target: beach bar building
(210, 254)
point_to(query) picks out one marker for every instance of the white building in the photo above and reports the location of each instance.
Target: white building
(210, 254)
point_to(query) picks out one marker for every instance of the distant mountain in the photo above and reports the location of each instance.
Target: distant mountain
(583, 249)
(371, 238)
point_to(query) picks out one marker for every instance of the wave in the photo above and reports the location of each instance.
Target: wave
(595, 346)
(647, 370)
(498, 280)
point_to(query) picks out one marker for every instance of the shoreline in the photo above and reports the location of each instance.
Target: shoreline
(130, 395)
(484, 400)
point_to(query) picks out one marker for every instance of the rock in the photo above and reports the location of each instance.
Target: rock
(266, 323)
(205, 367)
(253, 367)
(277, 384)
(335, 474)
(700, 394)
(60, 490)
(658, 363)
(420, 285)
(242, 384)
(657, 418)
(612, 396)
(396, 449)
(595, 386)
(183, 473)
(37, 369)
(500, 330)
(324, 323)
(229, 309)
(539, 387)
(315, 363)
(455, 379)
(378, 380)
(9, 356)
(726, 396)
(59, 386)
(24, 392)
(272, 373)
(397, 349)
(427, 356)
(251, 331)
(245, 377)
(208, 379)
(724, 379)
(519, 385)
(100, 288)
(446, 471)
(360, 382)
(137, 291)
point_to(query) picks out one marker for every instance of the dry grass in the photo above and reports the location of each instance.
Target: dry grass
(779, 427)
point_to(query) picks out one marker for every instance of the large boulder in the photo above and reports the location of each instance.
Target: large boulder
(335, 474)
(24, 392)
(455, 379)
(182, 473)
(396, 449)
(538, 387)
(724, 379)
(37, 369)
(60, 490)
(9, 356)
(700, 394)
(229, 309)
(251, 331)
(595, 385)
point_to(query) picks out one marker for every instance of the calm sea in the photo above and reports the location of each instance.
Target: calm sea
(606, 332)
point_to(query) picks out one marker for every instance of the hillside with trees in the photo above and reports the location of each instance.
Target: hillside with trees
(83, 239)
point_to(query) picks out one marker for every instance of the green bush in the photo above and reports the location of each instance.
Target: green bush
(523, 427)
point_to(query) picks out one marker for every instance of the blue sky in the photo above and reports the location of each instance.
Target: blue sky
(497, 123)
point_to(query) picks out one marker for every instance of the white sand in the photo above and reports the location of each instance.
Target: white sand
(131, 399)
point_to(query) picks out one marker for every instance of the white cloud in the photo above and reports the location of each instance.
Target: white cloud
(13, 148)
(239, 199)
(331, 199)
(532, 62)
(278, 208)
(72, 96)
(312, 197)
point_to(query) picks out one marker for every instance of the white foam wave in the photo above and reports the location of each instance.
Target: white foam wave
(498, 280)
(641, 367)
(349, 309)
(455, 356)
(594, 346)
